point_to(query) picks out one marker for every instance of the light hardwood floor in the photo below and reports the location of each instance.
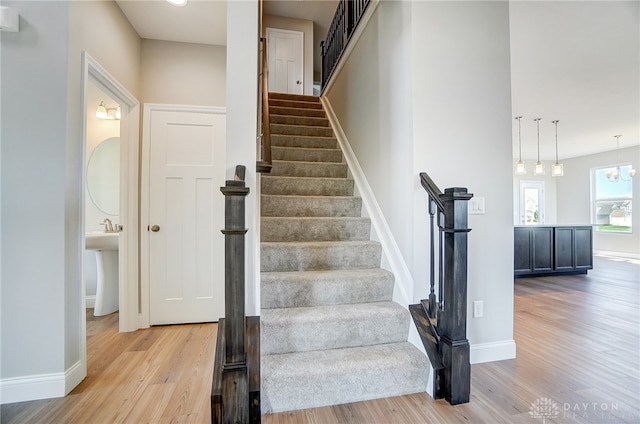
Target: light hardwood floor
(577, 339)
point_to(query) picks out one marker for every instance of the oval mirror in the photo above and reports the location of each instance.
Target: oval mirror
(103, 176)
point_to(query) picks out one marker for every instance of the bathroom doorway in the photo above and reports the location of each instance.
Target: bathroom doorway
(102, 198)
(127, 192)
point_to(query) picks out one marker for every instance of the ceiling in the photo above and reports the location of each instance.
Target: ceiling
(577, 62)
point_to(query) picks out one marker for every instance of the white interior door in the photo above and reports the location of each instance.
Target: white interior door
(186, 214)
(284, 54)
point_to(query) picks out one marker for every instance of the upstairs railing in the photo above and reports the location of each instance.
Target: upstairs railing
(264, 163)
(441, 319)
(345, 21)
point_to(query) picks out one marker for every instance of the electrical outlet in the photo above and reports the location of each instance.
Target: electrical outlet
(478, 308)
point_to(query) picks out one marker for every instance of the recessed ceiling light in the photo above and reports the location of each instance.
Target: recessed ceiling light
(178, 3)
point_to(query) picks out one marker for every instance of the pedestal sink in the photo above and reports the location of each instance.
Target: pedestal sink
(106, 247)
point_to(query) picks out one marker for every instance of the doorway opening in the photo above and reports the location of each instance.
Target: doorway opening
(94, 75)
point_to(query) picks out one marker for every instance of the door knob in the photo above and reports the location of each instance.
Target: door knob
(298, 82)
(155, 228)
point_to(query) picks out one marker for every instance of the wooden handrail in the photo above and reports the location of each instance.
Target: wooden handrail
(432, 189)
(266, 127)
(265, 162)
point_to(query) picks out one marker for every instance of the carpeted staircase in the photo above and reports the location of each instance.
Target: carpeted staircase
(330, 332)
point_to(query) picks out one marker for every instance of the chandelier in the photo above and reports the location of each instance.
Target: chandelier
(615, 174)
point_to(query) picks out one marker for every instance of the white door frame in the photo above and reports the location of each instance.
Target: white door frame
(93, 72)
(147, 108)
(301, 33)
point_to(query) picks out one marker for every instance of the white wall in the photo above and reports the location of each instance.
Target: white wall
(427, 88)
(42, 335)
(574, 199)
(183, 73)
(280, 22)
(34, 77)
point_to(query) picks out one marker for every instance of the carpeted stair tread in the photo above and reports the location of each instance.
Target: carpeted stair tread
(301, 130)
(331, 287)
(329, 377)
(308, 169)
(285, 330)
(306, 155)
(295, 111)
(330, 330)
(284, 140)
(310, 206)
(298, 120)
(314, 228)
(306, 186)
(319, 255)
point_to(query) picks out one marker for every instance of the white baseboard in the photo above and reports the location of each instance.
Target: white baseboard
(494, 351)
(90, 301)
(612, 254)
(74, 376)
(42, 386)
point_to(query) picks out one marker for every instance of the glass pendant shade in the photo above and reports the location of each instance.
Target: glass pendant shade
(521, 168)
(557, 170)
(101, 112)
(632, 172)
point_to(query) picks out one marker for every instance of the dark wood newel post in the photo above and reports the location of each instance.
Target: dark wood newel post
(231, 403)
(235, 193)
(452, 325)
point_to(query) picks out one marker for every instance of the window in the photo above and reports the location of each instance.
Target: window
(531, 202)
(612, 200)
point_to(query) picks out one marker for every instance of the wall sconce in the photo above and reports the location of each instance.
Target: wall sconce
(558, 168)
(539, 168)
(103, 113)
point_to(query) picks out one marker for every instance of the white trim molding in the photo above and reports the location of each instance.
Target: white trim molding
(41, 386)
(492, 351)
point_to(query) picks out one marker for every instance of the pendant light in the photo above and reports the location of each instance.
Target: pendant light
(521, 169)
(558, 168)
(539, 168)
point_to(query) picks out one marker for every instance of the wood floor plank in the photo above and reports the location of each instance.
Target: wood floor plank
(578, 341)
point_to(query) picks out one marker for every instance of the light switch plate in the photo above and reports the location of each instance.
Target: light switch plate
(476, 206)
